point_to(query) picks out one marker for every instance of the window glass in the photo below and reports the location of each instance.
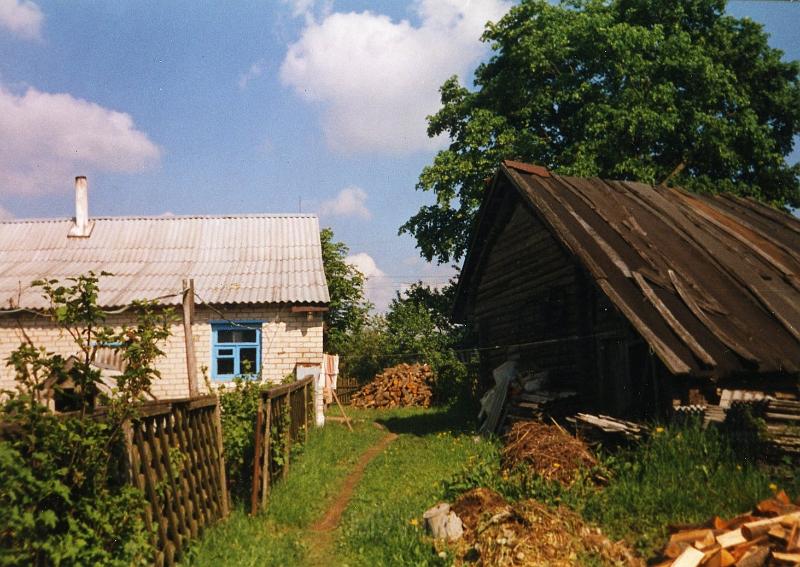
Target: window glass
(235, 349)
(224, 366)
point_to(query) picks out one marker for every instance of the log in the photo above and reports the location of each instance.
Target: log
(731, 538)
(753, 530)
(755, 558)
(690, 557)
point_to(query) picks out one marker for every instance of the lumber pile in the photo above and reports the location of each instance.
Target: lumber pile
(768, 536)
(604, 428)
(398, 386)
(532, 397)
(782, 418)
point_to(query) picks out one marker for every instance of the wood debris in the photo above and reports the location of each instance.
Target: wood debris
(604, 428)
(398, 386)
(529, 534)
(768, 536)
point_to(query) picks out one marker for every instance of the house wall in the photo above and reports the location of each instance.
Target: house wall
(286, 339)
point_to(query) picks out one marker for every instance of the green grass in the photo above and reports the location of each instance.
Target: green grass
(276, 537)
(680, 475)
(382, 525)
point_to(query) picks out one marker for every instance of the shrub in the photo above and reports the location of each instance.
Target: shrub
(64, 498)
(239, 407)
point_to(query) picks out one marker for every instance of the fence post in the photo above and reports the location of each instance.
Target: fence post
(267, 454)
(288, 443)
(220, 450)
(257, 463)
(188, 316)
(305, 413)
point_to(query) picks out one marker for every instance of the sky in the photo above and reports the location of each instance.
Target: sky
(277, 106)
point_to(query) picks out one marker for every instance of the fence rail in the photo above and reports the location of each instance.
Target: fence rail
(284, 414)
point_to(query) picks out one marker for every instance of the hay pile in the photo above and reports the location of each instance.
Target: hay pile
(546, 450)
(399, 386)
(529, 534)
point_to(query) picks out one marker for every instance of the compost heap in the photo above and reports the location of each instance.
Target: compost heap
(546, 450)
(529, 534)
(769, 535)
(398, 386)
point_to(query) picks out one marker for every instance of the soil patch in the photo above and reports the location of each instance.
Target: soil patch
(546, 450)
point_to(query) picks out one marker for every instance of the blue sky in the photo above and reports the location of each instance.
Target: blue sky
(245, 107)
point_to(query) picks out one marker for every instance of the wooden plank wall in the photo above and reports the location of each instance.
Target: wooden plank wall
(529, 293)
(175, 457)
(297, 399)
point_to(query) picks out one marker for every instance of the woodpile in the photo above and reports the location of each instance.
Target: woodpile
(782, 419)
(399, 386)
(768, 536)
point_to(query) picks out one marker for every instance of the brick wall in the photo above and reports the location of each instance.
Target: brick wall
(287, 338)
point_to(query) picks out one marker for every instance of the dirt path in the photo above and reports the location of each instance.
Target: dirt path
(320, 534)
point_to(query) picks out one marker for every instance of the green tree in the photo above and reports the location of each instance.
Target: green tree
(348, 308)
(652, 90)
(419, 329)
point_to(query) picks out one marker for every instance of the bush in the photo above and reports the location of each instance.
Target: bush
(239, 406)
(64, 498)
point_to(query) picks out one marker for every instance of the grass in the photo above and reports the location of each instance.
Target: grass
(383, 526)
(276, 537)
(681, 475)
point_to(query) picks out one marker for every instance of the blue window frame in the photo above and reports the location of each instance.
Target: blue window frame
(235, 349)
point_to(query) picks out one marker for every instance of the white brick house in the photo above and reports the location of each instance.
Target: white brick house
(259, 280)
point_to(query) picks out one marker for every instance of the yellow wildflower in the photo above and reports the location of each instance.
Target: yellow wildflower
(413, 521)
(659, 430)
(773, 487)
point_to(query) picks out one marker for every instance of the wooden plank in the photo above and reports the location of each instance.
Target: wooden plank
(265, 481)
(257, 464)
(723, 336)
(221, 464)
(689, 340)
(203, 402)
(671, 360)
(690, 557)
(188, 316)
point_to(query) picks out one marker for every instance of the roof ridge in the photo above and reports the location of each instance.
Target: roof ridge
(164, 217)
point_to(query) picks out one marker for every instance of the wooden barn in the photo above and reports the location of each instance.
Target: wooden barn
(636, 297)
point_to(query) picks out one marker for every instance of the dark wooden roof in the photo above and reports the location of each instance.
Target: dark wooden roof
(710, 282)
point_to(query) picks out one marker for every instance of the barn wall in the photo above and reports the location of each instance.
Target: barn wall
(287, 338)
(529, 292)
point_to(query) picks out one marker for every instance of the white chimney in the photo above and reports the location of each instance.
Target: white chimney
(83, 226)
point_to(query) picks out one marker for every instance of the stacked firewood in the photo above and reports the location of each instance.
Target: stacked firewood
(398, 386)
(769, 536)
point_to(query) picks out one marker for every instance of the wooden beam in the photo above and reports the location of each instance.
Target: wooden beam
(309, 309)
(673, 322)
(188, 316)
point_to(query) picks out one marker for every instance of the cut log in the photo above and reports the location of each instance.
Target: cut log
(753, 530)
(731, 539)
(690, 557)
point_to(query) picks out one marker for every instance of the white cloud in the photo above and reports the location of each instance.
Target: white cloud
(46, 139)
(377, 79)
(22, 18)
(255, 71)
(378, 287)
(350, 202)
(5, 214)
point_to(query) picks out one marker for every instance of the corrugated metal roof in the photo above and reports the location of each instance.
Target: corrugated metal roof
(710, 282)
(233, 259)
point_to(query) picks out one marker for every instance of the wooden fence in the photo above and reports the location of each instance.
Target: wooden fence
(284, 413)
(175, 457)
(346, 386)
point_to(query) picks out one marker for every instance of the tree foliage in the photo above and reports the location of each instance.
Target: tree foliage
(348, 308)
(651, 90)
(64, 500)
